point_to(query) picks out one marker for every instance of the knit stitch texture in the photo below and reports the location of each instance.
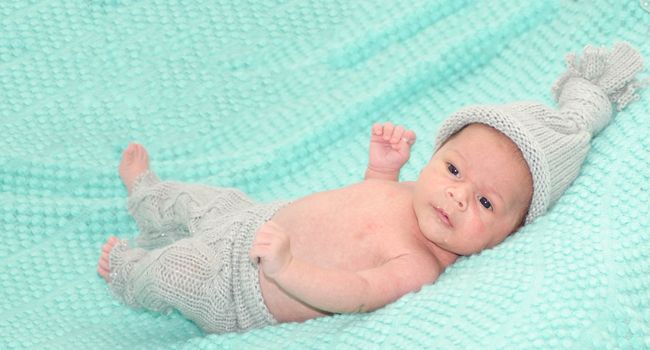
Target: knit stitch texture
(554, 141)
(192, 254)
(277, 98)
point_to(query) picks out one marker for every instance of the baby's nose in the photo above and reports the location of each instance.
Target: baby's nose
(456, 196)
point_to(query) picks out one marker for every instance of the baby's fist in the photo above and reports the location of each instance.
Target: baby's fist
(271, 249)
(390, 147)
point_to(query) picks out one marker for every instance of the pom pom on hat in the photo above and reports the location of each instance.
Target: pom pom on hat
(554, 142)
(588, 88)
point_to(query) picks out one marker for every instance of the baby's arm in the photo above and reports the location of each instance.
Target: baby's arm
(337, 290)
(390, 148)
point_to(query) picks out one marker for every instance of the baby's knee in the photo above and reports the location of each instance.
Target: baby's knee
(188, 260)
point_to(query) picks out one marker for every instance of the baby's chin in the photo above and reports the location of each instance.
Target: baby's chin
(436, 235)
(444, 239)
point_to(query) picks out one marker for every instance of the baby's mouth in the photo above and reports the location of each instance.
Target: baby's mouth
(442, 215)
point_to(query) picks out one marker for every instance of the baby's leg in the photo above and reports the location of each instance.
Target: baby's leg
(160, 209)
(166, 211)
(188, 275)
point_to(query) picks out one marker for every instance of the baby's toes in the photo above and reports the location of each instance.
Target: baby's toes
(110, 242)
(103, 262)
(129, 152)
(102, 268)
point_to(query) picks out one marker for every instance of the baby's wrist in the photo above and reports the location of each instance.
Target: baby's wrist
(280, 273)
(382, 173)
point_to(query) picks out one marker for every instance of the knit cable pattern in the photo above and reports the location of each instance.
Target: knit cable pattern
(277, 98)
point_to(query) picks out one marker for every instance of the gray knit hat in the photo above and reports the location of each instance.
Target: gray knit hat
(554, 142)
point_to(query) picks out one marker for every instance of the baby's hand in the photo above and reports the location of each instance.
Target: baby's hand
(390, 147)
(271, 249)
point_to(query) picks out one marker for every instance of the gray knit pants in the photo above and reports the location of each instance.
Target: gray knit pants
(192, 254)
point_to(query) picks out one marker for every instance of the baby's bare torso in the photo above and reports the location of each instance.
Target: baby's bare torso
(354, 228)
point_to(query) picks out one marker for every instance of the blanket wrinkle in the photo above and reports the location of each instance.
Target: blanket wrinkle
(277, 98)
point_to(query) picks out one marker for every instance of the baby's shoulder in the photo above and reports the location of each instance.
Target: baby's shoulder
(420, 264)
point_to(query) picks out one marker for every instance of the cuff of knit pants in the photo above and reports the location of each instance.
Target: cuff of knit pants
(146, 179)
(122, 259)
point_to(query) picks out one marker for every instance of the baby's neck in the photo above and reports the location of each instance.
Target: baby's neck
(445, 257)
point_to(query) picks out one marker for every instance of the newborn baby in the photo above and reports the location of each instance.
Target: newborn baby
(360, 247)
(231, 264)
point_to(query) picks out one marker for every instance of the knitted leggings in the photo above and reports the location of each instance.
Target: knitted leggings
(192, 254)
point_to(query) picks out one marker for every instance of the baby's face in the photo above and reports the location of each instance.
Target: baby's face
(474, 192)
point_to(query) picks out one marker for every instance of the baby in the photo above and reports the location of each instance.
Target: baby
(230, 264)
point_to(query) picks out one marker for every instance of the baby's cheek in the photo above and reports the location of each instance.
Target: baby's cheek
(478, 226)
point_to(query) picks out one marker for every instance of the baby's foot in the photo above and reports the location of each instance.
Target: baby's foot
(135, 161)
(103, 267)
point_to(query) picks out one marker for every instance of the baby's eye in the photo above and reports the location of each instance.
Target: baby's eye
(452, 169)
(485, 202)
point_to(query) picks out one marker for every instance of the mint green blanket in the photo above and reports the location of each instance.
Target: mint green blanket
(277, 98)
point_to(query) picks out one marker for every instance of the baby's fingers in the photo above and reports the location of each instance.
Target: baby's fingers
(258, 251)
(409, 137)
(397, 134)
(388, 131)
(393, 134)
(377, 129)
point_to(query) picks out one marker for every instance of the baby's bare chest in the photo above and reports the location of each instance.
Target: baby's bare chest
(355, 227)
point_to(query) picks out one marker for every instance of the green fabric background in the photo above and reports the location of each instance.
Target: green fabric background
(277, 98)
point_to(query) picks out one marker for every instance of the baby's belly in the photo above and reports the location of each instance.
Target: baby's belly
(351, 228)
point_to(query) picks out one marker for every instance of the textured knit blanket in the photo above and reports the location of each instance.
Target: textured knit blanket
(277, 98)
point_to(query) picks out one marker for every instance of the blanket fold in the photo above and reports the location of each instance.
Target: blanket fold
(277, 98)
